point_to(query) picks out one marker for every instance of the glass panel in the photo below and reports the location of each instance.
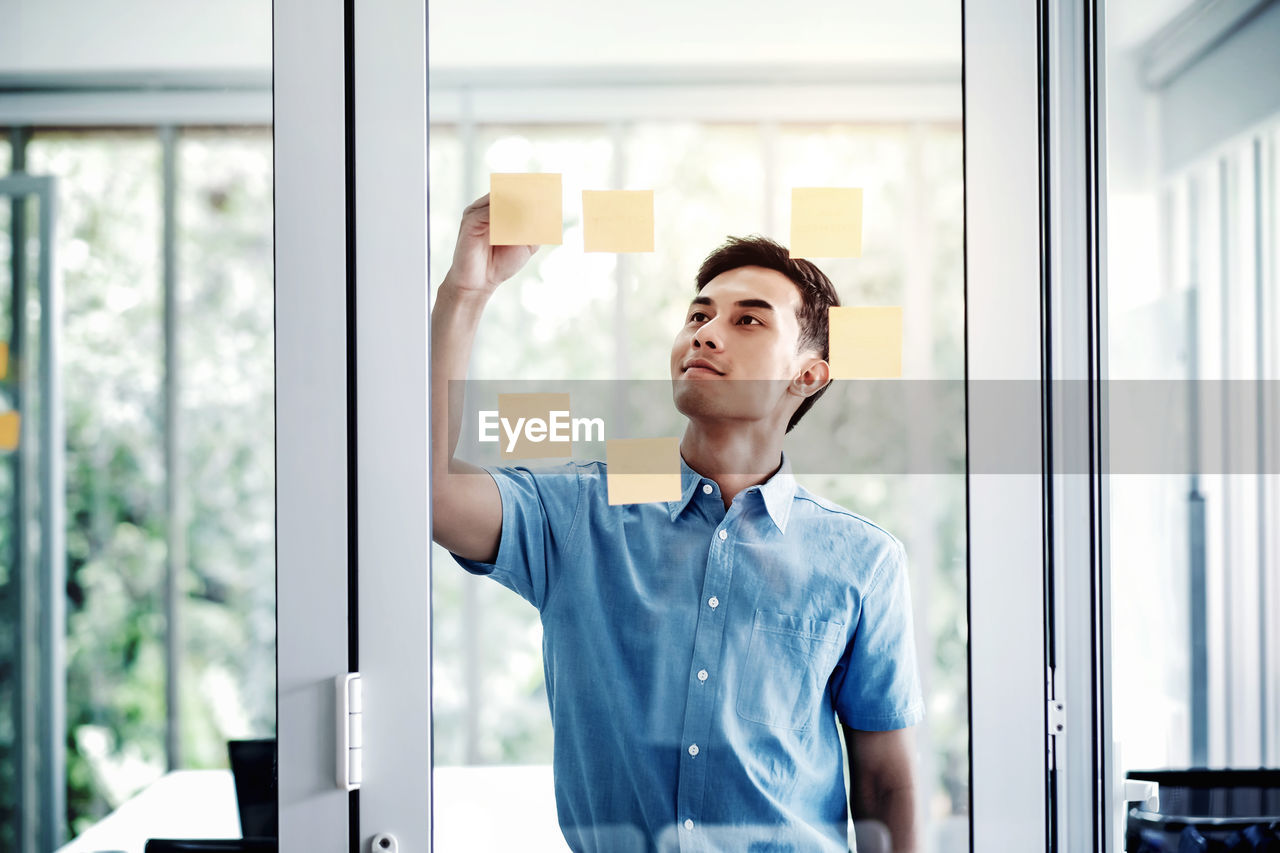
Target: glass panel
(108, 242)
(576, 315)
(226, 363)
(110, 247)
(1193, 324)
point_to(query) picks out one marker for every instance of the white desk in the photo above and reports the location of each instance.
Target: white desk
(181, 804)
(476, 809)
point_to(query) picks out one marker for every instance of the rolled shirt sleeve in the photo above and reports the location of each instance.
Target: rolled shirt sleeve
(876, 684)
(540, 508)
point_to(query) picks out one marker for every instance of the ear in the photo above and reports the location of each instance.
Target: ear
(814, 376)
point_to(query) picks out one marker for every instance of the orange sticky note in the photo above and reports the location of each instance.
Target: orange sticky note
(10, 427)
(534, 426)
(525, 209)
(826, 222)
(641, 470)
(4, 359)
(617, 220)
(865, 341)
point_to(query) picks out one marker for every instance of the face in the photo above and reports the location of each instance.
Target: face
(744, 325)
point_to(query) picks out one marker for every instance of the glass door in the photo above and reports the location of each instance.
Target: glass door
(723, 124)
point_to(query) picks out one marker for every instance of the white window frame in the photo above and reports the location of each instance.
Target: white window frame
(351, 344)
(1007, 583)
(312, 488)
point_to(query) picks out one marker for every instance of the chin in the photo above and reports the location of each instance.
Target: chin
(692, 401)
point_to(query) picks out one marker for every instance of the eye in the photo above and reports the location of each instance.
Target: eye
(695, 315)
(754, 319)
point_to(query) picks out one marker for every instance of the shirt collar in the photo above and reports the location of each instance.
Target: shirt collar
(778, 492)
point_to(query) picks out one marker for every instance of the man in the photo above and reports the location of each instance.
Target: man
(697, 651)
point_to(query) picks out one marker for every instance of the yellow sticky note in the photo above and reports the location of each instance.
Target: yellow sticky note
(539, 423)
(617, 220)
(865, 341)
(525, 209)
(4, 359)
(10, 427)
(641, 470)
(826, 222)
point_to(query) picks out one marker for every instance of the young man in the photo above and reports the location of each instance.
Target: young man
(697, 651)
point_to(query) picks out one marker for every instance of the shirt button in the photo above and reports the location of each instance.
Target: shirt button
(724, 534)
(713, 602)
(702, 675)
(693, 749)
(706, 488)
(688, 824)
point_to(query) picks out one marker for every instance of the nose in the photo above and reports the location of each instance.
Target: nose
(707, 334)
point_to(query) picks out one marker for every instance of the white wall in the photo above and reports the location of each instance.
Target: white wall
(1227, 92)
(486, 33)
(90, 36)
(85, 36)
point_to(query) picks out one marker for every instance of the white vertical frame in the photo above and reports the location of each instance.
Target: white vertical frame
(1086, 814)
(389, 80)
(311, 417)
(1010, 802)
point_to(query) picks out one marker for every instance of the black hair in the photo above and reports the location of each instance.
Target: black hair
(817, 294)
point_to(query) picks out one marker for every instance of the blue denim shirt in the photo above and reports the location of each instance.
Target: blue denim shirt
(696, 659)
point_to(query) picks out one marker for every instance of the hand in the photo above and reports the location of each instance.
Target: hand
(477, 266)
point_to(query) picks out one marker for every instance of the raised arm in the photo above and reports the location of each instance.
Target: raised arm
(466, 508)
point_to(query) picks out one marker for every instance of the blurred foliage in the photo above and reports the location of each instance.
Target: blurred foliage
(108, 243)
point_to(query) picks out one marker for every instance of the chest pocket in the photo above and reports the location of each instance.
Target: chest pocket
(788, 662)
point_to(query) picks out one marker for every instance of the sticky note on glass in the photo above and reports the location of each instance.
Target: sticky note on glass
(617, 220)
(10, 427)
(641, 470)
(865, 342)
(826, 222)
(525, 209)
(534, 426)
(4, 359)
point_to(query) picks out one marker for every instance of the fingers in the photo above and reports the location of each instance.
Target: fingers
(479, 203)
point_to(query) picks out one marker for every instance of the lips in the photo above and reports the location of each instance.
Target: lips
(701, 365)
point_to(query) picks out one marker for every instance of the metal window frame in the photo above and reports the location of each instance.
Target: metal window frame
(388, 188)
(1034, 181)
(1087, 813)
(41, 585)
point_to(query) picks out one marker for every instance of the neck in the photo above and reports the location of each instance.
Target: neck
(735, 458)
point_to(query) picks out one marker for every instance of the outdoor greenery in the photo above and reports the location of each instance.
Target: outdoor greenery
(109, 247)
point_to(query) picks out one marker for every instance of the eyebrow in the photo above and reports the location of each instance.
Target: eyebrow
(741, 303)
